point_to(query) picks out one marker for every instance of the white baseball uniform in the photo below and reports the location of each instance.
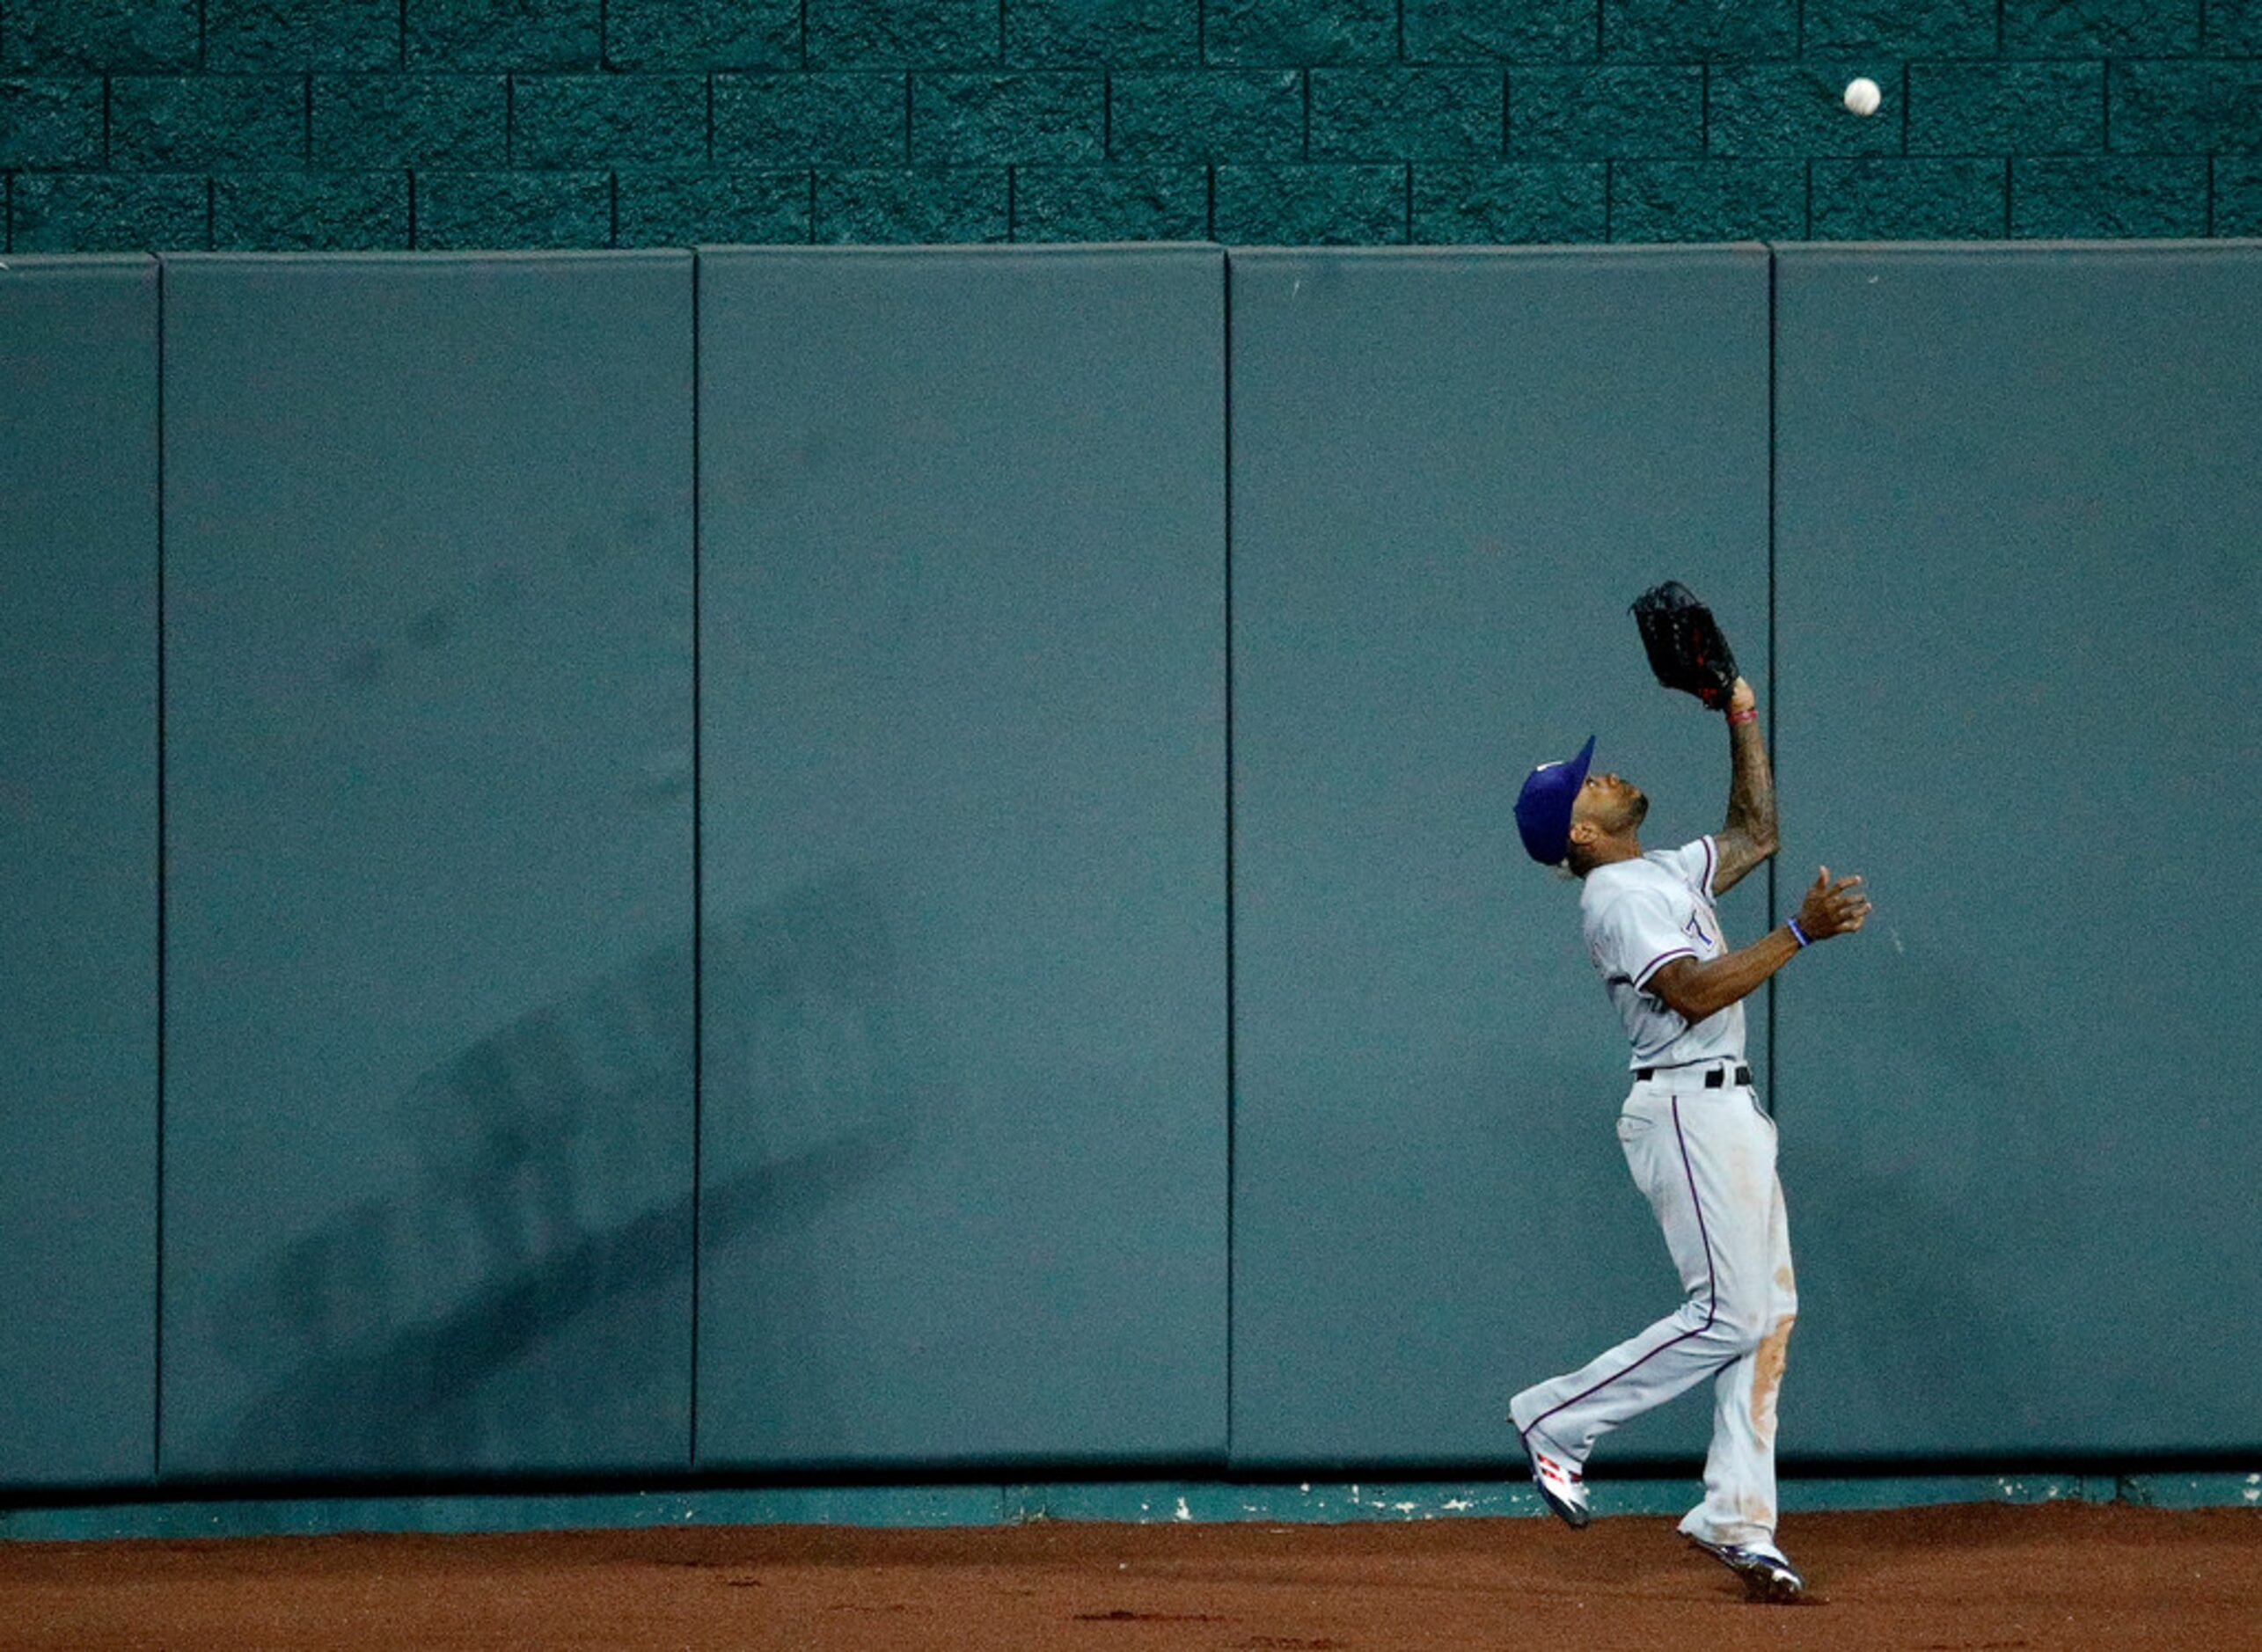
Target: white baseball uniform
(1705, 1154)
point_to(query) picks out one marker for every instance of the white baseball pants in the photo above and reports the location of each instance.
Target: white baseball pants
(1706, 1159)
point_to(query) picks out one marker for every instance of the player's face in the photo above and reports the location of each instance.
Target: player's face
(1614, 804)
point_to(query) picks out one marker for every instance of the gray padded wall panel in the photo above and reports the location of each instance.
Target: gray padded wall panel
(1451, 473)
(963, 1178)
(2018, 587)
(79, 902)
(429, 1107)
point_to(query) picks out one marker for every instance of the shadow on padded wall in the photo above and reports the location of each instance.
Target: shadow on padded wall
(510, 1309)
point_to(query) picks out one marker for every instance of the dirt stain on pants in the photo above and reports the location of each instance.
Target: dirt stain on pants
(1766, 1378)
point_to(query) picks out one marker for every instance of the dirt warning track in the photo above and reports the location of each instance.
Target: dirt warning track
(1975, 1577)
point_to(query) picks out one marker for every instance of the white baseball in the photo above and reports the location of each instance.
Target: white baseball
(1863, 96)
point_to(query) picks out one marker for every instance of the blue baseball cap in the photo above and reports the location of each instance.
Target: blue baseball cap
(1543, 806)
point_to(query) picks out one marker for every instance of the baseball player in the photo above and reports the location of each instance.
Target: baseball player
(1698, 1144)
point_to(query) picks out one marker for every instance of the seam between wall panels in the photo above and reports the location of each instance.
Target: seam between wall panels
(156, 1342)
(699, 900)
(1225, 431)
(1775, 1018)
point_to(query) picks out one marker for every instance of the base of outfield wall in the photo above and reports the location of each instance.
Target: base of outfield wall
(1135, 1502)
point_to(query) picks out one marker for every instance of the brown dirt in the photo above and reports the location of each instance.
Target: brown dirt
(1983, 1577)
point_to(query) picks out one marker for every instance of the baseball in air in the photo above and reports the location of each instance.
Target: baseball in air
(1863, 96)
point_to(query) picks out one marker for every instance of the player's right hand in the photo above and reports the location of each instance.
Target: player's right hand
(1833, 909)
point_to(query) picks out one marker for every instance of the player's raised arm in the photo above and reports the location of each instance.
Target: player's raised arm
(1749, 837)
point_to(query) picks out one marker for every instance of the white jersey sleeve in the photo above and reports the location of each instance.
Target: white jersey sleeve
(1697, 862)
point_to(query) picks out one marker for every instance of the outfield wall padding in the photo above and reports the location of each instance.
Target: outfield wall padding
(2017, 562)
(428, 738)
(1451, 473)
(963, 838)
(899, 863)
(79, 867)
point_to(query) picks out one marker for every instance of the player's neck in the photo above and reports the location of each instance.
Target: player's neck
(1605, 851)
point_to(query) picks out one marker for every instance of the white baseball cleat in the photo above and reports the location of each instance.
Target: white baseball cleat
(1562, 1489)
(1766, 1573)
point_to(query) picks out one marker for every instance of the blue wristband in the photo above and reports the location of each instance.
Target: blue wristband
(1798, 934)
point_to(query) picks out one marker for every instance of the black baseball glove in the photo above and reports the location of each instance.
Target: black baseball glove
(1686, 648)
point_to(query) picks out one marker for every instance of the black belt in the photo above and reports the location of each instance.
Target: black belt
(1716, 1079)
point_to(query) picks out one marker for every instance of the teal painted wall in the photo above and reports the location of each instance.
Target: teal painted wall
(477, 570)
(1451, 471)
(428, 876)
(963, 668)
(78, 869)
(2012, 487)
(311, 124)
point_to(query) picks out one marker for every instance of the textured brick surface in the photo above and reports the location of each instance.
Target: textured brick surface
(972, 120)
(2099, 28)
(185, 123)
(2238, 195)
(1311, 206)
(1909, 199)
(1474, 31)
(1764, 109)
(456, 121)
(52, 36)
(818, 119)
(248, 36)
(524, 35)
(2233, 27)
(2005, 108)
(104, 212)
(1389, 115)
(54, 124)
(510, 210)
(1123, 33)
(2096, 196)
(1220, 115)
(1707, 200)
(2187, 108)
(1901, 28)
(1512, 202)
(1112, 203)
(310, 212)
(703, 34)
(903, 34)
(585, 120)
(1300, 31)
(785, 120)
(1704, 29)
(936, 206)
(712, 208)
(1599, 114)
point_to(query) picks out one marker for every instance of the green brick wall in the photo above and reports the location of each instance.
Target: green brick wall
(242, 124)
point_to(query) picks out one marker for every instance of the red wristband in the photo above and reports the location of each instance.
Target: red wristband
(1749, 714)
